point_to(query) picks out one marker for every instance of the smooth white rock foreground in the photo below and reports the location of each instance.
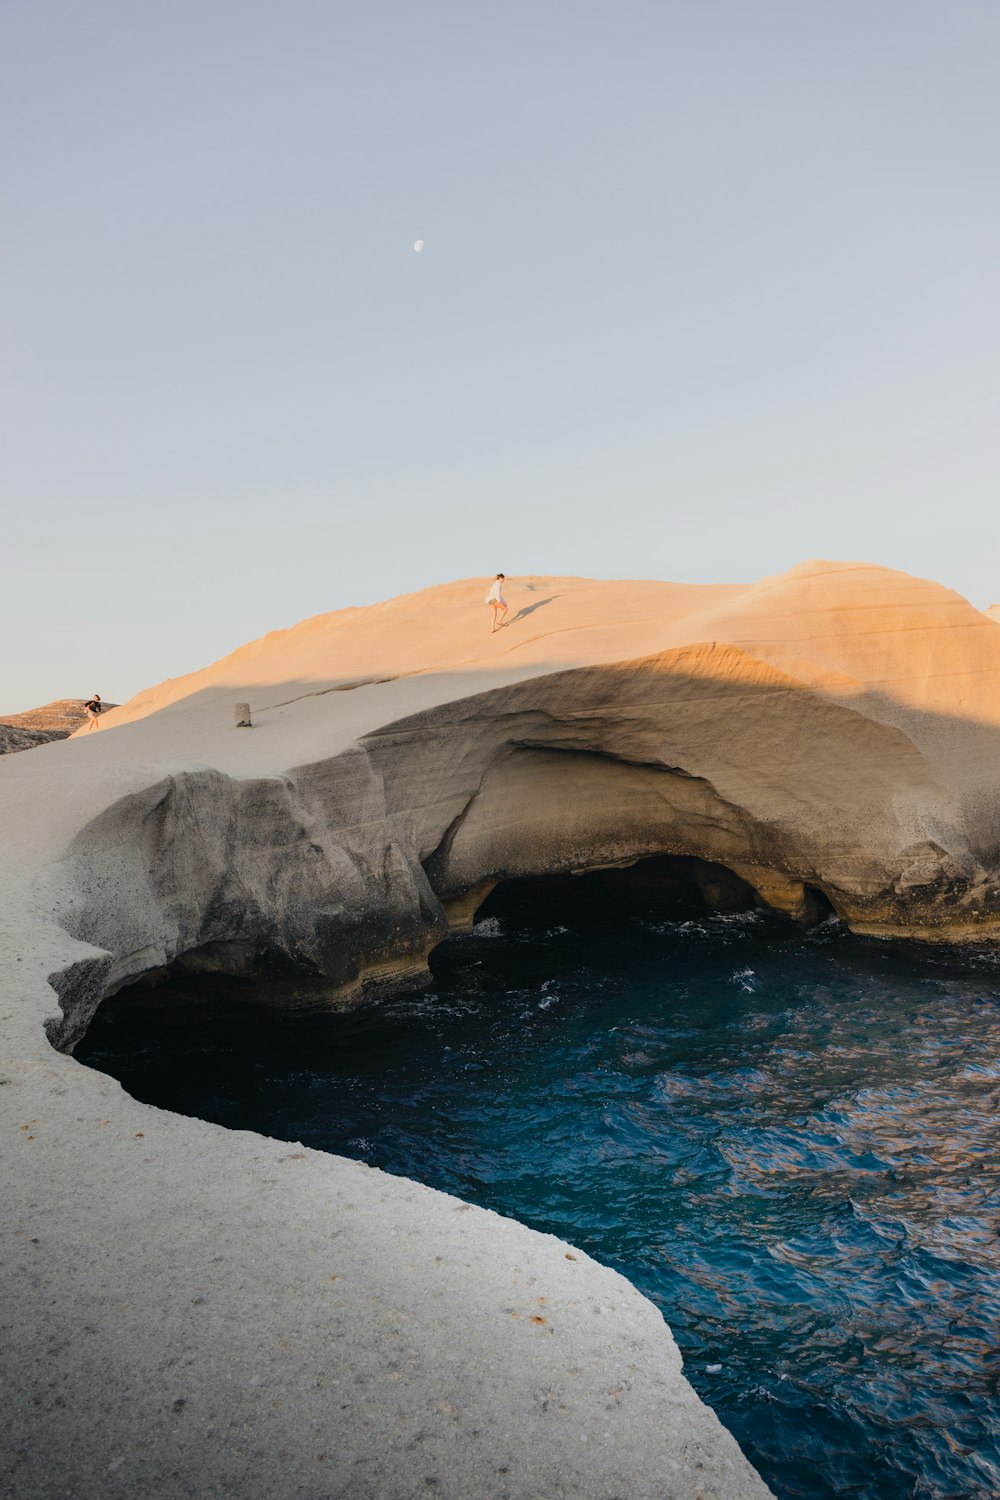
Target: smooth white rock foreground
(189, 1311)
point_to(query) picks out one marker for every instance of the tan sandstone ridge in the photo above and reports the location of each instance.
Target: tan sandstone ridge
(830, 733)
(203, 1311)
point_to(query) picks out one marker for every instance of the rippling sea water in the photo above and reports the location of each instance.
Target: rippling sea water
(789, 1142)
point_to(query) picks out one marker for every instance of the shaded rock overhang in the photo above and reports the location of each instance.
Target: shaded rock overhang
(350, 870)
(342, 830)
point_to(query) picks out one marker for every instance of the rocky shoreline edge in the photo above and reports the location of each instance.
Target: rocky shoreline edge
(199, 1311)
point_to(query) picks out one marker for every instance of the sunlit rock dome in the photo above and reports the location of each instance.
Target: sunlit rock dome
(827, 738)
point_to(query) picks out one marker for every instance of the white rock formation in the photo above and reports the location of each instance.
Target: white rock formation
(207, 1311)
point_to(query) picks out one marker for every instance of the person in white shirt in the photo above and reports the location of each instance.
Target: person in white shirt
(497, 602)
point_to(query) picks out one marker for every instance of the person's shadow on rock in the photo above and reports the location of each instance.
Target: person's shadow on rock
(529, 609)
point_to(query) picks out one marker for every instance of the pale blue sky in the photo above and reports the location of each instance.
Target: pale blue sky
(708, 288)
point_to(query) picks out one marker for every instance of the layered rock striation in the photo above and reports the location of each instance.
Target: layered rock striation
(832, 745)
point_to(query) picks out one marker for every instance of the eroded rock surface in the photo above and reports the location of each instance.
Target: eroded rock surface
(828, 736)
(840, 744)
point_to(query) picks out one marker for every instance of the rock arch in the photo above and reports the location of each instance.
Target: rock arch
(350, 870)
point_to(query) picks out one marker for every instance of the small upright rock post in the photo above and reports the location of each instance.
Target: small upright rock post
(241, 713)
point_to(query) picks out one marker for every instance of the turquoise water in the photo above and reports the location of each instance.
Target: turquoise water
(789, 1142)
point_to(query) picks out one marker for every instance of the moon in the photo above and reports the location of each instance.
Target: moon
(418, 245)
